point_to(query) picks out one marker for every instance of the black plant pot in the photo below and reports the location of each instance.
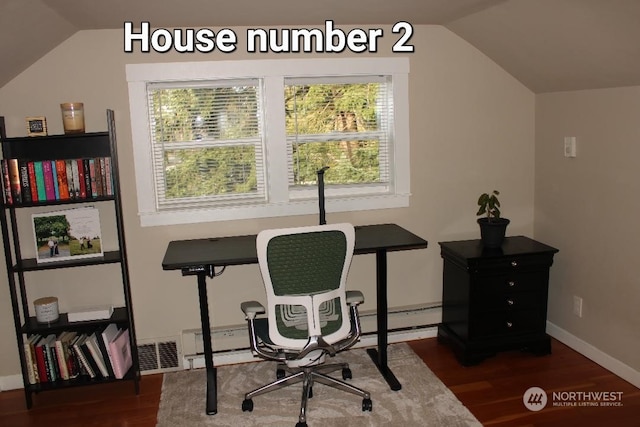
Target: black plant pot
(492, 232)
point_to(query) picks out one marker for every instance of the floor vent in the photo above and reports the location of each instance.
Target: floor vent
(159, 356)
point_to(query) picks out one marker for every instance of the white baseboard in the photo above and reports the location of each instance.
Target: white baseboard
(622, 370)
(11, 382)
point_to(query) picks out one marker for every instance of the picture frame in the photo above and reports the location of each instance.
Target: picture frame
(69, 234)
(36, 126)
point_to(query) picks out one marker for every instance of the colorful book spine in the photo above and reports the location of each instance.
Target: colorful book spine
(120, 350)
(63, 187)
(94, 178)
(25, 184)
(54, 173)
(76, 178)
(108, 175)
(50, 192)
(83, 187)
(87, 177)
(69, 172)
(32, 181)
(42, 194)
(6, 180)
(14, 181)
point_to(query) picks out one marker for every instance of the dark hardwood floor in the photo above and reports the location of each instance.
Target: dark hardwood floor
(492, 390)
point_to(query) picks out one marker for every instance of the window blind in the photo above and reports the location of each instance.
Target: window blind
(207, 142)
(340, 122)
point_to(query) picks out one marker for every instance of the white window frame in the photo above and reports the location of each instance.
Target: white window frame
(272, 73)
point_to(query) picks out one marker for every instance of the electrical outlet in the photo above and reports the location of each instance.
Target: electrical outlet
(577, 306)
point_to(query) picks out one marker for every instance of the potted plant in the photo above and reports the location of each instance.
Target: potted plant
(492, 226)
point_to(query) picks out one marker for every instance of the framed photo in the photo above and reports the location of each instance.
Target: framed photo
(36, 126)
(67, 234)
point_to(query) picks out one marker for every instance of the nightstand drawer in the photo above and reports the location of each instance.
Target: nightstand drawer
(512, 263)
(512, 282)
(512, 301)
(507, 323)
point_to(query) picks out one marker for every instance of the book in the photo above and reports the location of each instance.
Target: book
(87, 178)
(63, 187)
(50, 192)
(107, 335)
(62, 351)
(54, 174)
(51, 361)
(98, 173)
(6, 182)
(83, 187)
(32, 181)
(90, 313)
(41, 360)
(42, 194)
(93, 178)
(96, 354)
(84, 363)
(70, 183)
(84, 347)
(25, 182)
(14, 181)
(108, 176)
(76, 178)
(73, 363)
(120, 349)
(30, 358)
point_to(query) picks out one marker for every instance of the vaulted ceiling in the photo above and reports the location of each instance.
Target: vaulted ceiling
(548, 45)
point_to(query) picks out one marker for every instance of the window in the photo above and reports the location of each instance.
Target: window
(244, 139)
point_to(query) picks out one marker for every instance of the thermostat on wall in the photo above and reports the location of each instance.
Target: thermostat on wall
(570, 146)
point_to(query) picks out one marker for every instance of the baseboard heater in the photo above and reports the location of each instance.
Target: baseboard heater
(231, 344)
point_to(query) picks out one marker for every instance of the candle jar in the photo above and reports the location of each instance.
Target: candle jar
(46, 309)
(73, 117)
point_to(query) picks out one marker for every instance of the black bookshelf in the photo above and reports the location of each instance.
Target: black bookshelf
(63, 147)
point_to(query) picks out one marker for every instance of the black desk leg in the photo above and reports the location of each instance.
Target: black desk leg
(379, 356)
(212, 398)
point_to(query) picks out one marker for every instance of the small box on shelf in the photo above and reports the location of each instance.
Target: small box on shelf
(90, 313)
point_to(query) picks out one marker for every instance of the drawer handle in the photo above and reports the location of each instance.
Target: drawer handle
(510, 302)
(512, 283)
(514, 263)
(509, 324)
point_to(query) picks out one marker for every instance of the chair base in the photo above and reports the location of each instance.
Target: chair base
(308, 376)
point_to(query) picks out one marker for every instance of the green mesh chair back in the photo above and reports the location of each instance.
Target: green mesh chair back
(304, 270)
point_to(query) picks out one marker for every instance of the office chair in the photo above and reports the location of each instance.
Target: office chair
(310, 315)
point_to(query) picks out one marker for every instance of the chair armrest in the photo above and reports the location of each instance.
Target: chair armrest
(251, 308)
(355, 297)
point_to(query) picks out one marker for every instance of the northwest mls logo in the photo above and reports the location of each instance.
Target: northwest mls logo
(535, 399)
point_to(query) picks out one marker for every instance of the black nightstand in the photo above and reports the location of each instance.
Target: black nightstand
(495, 300)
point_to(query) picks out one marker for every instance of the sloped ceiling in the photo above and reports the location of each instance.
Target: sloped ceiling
(549, 45)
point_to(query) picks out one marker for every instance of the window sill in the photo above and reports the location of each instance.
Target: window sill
(307, 207)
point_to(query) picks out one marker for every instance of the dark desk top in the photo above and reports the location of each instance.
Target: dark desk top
(239, 250)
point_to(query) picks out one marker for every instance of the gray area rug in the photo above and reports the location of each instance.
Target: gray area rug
(423, 401)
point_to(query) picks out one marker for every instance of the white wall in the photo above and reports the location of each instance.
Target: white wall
(588, 207)
(472, 131)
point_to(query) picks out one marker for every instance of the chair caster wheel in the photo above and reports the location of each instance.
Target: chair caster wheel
(367, 405)
(247, 405)
(280, 373)
(346, 374)
(301, 424)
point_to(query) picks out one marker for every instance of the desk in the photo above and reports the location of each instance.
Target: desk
(199, 257)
